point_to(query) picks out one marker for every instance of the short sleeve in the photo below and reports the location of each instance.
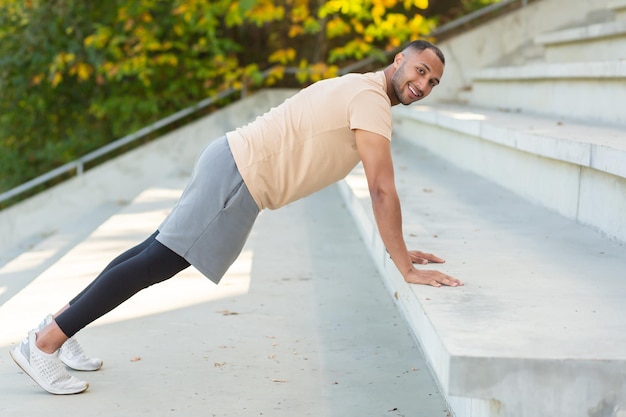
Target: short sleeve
(370, 110)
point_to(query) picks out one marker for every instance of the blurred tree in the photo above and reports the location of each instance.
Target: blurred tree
(75, 75)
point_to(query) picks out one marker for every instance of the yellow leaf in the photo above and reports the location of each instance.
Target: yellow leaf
(122, 14)
(65, 58)
(300, 12)
(84, 71)
(394, 42)
(180, 9)
(282, 56)
(275, 74)
(37, 79)
(56, 79)
(295, 30)
(337, 27)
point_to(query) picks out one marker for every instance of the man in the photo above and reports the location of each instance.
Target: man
(310, 141)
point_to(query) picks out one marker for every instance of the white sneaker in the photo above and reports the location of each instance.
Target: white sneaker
(45, 368)
(72, 354)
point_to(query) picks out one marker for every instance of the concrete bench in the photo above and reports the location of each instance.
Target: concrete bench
(538, 329)
(577, 170)
(598, 42)
(566, 90)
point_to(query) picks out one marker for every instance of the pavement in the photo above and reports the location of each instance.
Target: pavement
(301, 325)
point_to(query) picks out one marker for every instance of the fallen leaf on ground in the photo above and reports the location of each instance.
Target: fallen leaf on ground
(227, 313)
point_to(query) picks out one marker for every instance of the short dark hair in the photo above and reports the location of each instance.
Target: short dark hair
(420, 45)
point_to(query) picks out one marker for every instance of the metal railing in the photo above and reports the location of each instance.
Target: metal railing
(78, 166)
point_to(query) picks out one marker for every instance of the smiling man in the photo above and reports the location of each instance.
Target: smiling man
(311, 140)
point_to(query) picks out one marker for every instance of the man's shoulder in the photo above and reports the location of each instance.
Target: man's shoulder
(342, 92)
(368, 80)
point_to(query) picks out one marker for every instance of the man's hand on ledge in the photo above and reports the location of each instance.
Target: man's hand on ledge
(423, 258)
(426, 277)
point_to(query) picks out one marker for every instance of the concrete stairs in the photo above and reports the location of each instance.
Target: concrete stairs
(516, 174)
(514, 171)
(301, 325)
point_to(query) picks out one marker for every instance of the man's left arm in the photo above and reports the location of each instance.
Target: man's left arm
(375, 153)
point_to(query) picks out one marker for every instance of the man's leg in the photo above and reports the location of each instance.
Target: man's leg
(71, 352)
(37, 355)
(154, 264)
(118, 260)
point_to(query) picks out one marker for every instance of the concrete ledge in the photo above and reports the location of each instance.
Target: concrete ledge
(559, 90)
(619, 7)
(505, 40)
(584, 33)
(555, 71)
(577, 170)
(602, 41)
(537, 329)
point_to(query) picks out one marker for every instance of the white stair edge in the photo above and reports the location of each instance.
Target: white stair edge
(597, 147)
(577, 70)
(617, 5)
(577, 171)
(596, 31)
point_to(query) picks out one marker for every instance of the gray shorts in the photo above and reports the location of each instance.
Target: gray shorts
(212, 220)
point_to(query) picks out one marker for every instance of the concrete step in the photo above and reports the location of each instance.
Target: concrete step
(619, 7)
(577, 170)
(599, 42)
(301, 325)
(563, 90)
(538, 328)
(506, 41)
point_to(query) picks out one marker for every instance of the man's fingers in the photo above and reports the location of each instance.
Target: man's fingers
(418, 257)
(434, 283)
(435, 279)
(421, 261)
(451, 282)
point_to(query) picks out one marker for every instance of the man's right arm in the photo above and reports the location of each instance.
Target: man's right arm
(375, 153)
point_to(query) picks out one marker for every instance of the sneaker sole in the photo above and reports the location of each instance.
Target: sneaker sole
(21, 361)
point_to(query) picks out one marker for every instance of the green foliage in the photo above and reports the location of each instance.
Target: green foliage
(75, 75)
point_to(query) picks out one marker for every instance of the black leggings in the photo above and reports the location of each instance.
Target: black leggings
(146, 264)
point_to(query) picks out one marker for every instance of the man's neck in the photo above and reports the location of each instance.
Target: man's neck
(389, 71)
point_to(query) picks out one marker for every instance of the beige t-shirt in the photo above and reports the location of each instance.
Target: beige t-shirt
(308, 142)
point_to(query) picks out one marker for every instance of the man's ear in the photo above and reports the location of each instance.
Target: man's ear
(397, 60)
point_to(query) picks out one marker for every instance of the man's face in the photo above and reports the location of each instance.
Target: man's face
(417, 73)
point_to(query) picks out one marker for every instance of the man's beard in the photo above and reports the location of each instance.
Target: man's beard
(396, 85)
